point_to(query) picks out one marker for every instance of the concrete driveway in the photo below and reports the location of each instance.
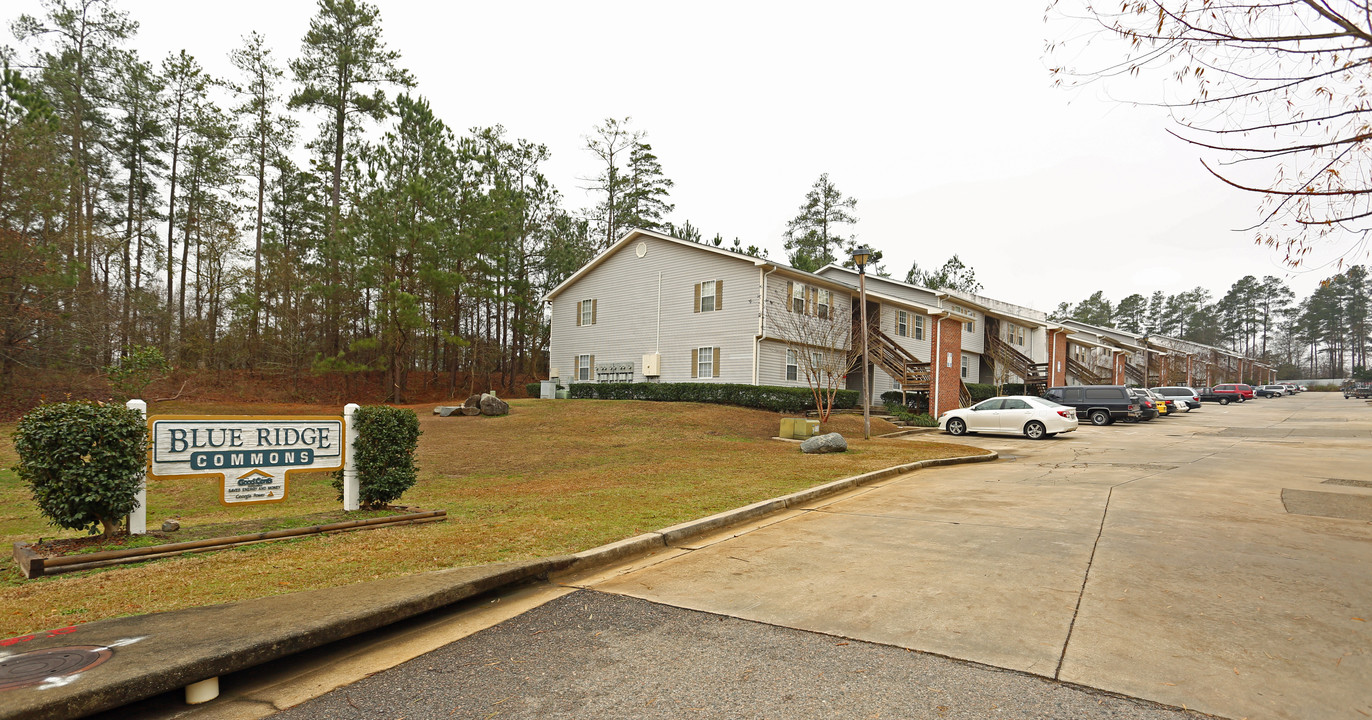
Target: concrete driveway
(1219, 560)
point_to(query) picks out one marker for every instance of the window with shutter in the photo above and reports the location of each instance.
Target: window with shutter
(705, 362)
(902, 323)
(919, 327)
(797, 297)
(706, 292)
(583, 367)
(825, 301)
(791, 370)
(587, 316)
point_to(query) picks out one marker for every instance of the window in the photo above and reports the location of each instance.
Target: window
(816, 363)
(1015, 404)
(966, 366)
(791, 370)
(992, 404)
(707, 296)
(970, 326)
(585, 313)
(797, 297)
(705, 362)
(1104, 393)
(902, 323)
(583, 367)
(919, 327)
(824, 301)
(1014, 334)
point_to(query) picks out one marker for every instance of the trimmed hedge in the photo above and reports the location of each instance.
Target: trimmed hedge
(765, 397)
(83, 462)
(386, 440)
(982, 391)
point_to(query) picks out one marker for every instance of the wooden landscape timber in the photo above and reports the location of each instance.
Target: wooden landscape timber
(33, 565)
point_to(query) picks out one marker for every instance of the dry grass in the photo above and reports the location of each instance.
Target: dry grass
(550, 478)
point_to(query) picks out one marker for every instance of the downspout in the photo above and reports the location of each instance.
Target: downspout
(936, 373)
(657, 346)
(761, 318)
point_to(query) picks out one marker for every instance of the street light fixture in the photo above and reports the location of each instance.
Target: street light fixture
(860, 257)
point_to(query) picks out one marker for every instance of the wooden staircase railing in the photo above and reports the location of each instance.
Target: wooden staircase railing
(1086, 374)
(912, 373)
(1020, 364)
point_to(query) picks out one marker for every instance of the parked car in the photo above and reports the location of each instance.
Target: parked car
(1148, 409)
(1269, 391)
(1236, 388)
(1101, 404)
(1222, 394)
(1168, 404)
(1290, 389)
(1357, 389)
(1184, 396)
(1304, 388)
(1034, 417)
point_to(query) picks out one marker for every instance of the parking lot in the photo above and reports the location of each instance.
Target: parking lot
(1215, 560)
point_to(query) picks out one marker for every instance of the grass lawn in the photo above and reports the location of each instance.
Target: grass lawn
(550, 478)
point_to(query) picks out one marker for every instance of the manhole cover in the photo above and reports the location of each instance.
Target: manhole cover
(33, 668)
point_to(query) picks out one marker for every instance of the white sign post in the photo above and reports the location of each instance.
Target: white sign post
(138, 518)
(351, 488)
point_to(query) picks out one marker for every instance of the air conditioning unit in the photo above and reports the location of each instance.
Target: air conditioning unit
(652, 365)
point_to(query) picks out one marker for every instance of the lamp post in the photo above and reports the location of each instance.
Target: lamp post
(860, 257)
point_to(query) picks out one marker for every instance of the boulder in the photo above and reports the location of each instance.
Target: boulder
(470, 412)
(474, 401)
(170, 526)
(447, 410)
(492, 405)
(831, 442)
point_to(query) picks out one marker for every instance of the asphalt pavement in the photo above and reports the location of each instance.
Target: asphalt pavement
(596, 655)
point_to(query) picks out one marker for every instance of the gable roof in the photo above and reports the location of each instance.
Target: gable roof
(632, 235)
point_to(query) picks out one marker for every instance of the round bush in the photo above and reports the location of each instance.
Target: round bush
(386, 440)
(83, 462)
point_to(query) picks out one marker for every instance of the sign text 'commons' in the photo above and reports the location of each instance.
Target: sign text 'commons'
(267, 448)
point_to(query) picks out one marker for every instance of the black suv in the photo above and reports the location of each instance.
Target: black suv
(1101, 404)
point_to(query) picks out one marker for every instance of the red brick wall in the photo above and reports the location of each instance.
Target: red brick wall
(1057, 358)
(946, 378)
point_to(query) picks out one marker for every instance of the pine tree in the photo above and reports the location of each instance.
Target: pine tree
(646, 191)
(343, 71)
(611, 144)
(817, 231)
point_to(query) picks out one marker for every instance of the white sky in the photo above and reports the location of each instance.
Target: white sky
(939, 119)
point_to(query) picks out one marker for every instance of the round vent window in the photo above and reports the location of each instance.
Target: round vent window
(642, 249)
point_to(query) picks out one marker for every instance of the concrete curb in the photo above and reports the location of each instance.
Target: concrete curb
(656, 540)
(162, 652)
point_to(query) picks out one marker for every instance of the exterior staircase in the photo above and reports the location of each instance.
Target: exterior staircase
(1087, 374)
(913, 374)
(1003, 354)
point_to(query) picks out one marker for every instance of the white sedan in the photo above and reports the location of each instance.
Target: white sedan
(1035, 417)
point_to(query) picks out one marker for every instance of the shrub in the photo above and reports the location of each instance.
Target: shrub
(141, 366)
(386, 440)
(904, 414)
(765, 397)
(533, 389)
(981, 391)
(83, 462)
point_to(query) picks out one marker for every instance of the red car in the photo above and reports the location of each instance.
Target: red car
(1244, 392)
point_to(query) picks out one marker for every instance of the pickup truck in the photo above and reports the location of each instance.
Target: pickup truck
(1221, 396)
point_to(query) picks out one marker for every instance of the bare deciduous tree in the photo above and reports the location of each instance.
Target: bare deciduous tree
(1275, 94)
(821, 343)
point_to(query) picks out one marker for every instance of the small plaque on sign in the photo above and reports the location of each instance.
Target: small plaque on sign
(251, 456)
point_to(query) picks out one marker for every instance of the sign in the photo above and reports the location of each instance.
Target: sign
(252, 457)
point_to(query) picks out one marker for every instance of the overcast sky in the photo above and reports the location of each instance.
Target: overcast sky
(941, 121)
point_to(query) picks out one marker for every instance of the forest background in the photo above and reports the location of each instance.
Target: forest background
(308, 225)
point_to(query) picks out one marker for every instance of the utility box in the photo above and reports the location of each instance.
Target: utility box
(652, 365)
(798, 428)
(547, 389)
